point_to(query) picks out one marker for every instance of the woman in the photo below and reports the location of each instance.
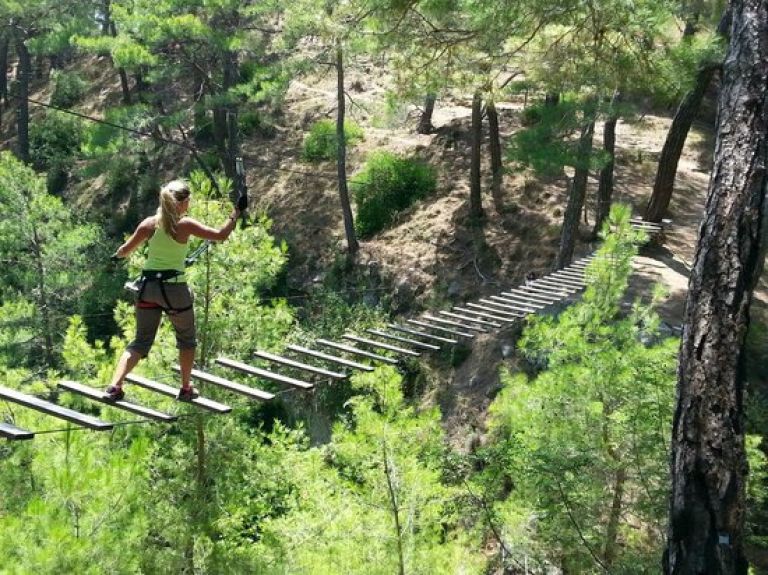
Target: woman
(163, 287)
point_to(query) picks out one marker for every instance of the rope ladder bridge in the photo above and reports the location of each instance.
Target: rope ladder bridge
(329, 360)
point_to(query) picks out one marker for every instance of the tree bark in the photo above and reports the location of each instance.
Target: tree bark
(686, 112)
(23, 75)
(108, 29)
(605, 187)
(497, 169)
(4, 75)
(425, 121)
(475, 199)
(341, 155)
(614, 519)
(673, 146)
(578, 192)
(708, 461)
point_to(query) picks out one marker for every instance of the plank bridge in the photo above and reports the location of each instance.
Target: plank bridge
(330, 360)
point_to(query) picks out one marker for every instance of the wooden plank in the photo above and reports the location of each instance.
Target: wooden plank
(469, 319)
(576, 282)
(299, 365)
(487, 316)
(405, 340)
(430, 336)
(172, 392)
(98, 395)
(544, 291)
(382, 345)
(8, 431)
(528, 295)
(356, 351)
(519, 300)
(554, 286)
(574, 273)
(246, 390)
(49, 408)
(444, 321)
(329, 358)
(263, 373)
(500, 312)
(510, 306)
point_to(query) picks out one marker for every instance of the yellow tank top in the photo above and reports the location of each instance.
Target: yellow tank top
(165, 253)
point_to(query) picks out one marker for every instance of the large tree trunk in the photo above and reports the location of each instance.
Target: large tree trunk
(425, 121)
(23, 75)
(497, 169)
(578, 193)
(475, 199)
(605, 188)
(708, 462)
(666, 172)
(341, 155)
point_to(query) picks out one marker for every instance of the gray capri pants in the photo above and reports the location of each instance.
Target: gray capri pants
(149, 311)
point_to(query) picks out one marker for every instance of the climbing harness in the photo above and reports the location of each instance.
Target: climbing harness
(159, 276)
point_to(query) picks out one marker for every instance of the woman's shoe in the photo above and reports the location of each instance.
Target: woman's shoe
(114, 393)
(188, 393)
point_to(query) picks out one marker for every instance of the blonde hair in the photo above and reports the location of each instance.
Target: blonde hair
(171, 195)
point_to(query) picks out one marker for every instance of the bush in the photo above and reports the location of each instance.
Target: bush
(53, 143)
(320, 144)
(68, 89)
(387, 185)
(253, 123)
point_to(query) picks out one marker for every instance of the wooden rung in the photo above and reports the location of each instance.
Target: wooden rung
(98, 395)
(381, 345)
(576, 273)
(543, 292)
(263, 373)
(329, 358)
(482, 314)
(440, 328)
(52, 409)
(356, 351)
(8, 431)
(172, 392)
(560, 281)
(507, 315)
(246, 390)
(405, 340)
(514, 299)
(412, 331)
(469, 319)
(566, 279)
(553, 286)
(299, 365)
(444, 321)
(528, 295)
(510, 306)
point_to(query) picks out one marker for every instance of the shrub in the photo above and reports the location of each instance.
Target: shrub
(253, 123)
(320, 144)
(53, 142)
(387, 185)
(68, 89)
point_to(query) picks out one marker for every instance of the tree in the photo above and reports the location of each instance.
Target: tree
(663, 185)
(708, 463)
(582, 441)
(45, 249)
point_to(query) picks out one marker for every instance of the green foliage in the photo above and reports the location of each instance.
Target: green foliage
(253, 123)
(49, 249)
(68, 89)
(547, 143)
(374, 497)
(386, 186)
(584, 441)
(54, 140)
(320, 144)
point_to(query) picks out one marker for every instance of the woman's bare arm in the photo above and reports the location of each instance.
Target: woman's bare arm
(143, 232)
(191, 227)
